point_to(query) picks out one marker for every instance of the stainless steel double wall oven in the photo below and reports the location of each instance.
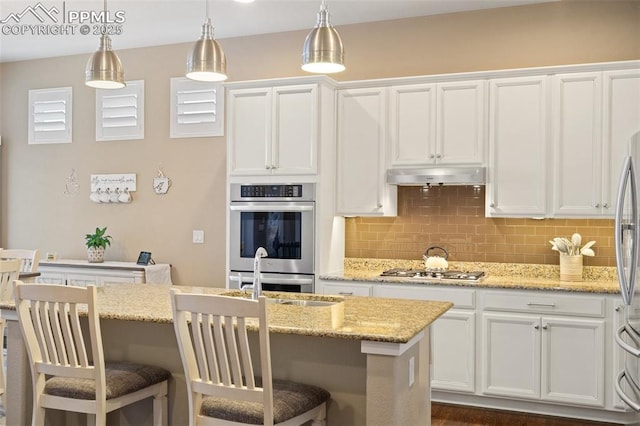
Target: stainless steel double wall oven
(280, 218)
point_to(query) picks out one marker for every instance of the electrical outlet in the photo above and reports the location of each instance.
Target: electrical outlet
(412, 371)
(198, 236)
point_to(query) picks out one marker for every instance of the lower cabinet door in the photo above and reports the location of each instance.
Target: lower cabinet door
(511, 355)
(453, 349)
(51, 278)
(573, 361)
(81, 280)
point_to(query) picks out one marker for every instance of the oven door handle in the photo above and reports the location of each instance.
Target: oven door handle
(276, 280)
(624, 345)
(270, 208)
(621, 393)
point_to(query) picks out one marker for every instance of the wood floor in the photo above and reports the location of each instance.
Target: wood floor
(455, 415)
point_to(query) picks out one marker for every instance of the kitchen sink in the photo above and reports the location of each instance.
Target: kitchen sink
(302, 302)
(300, 310)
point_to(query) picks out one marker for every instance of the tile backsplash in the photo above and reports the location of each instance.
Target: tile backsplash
(453, 217)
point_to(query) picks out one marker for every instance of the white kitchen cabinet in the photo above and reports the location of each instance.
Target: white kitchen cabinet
(82, 273)
(577, 145)
(517, 163)
(346, 288)
(273, 130)
(443, 123)
(553, 351)
(361, 154)
(595, 114)
(453, 335)
(621, 121)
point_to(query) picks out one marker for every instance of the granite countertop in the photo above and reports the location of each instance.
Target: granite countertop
(602, 280)
(365, 318)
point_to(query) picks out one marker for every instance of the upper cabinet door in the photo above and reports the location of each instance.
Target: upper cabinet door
(461, 122)
(517, 162)
(442, 123)
(577, 145)
(412, 122)
(295, 130)
(249, 131)
(621, 122)
(361, 189)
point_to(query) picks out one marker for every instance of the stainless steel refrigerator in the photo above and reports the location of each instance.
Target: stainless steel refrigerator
(627, 241)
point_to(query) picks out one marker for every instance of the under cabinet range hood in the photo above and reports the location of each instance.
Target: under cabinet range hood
(426, 176)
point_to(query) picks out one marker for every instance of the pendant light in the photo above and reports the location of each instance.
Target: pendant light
(104, 69)
(206, 61)
(322, 51)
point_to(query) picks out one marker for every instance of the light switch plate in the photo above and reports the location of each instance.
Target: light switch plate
(198, 236)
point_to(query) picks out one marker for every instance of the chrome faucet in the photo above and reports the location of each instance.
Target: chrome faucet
(257, 282)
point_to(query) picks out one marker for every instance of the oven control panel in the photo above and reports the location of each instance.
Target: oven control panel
(263, 191)
(248, 192)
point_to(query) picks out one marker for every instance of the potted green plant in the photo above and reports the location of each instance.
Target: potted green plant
(96, 244)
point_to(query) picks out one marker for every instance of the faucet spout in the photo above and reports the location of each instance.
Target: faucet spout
(257, 282)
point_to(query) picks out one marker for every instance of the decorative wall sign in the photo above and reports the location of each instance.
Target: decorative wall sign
(161, 183)
(112, 188)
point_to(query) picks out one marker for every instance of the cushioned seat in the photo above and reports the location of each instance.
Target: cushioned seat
(121, 378)
(290, 399)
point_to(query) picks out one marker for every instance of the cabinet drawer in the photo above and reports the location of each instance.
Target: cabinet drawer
(543, 303)
(347, 289)
(461, 298)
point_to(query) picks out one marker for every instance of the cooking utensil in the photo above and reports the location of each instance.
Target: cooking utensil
(436, 262)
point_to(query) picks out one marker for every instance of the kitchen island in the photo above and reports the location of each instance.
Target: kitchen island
(374, 361)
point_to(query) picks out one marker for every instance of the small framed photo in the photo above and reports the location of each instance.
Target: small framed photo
(144, 258)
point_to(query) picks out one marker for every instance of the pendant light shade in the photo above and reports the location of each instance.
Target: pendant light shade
(206, 61)
(104, 69)
(322, 51)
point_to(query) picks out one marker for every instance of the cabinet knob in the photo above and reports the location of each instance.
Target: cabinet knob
(537, 327)
(597, 205)
(605, 205)
(438, 156)
(431, 156)
(379, 206)
(492, 205)
(545, 327)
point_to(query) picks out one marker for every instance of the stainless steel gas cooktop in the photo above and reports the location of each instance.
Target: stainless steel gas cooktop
(444, 275)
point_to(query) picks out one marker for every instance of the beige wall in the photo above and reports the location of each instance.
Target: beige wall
(35, 211)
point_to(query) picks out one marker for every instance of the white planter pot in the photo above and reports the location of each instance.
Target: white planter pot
(95, 254)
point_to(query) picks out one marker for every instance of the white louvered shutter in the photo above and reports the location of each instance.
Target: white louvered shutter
(197, 108)
(120, 112)
(50, 113)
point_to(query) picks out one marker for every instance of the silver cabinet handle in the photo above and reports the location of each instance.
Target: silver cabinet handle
(605, 205)
(431, 156)
(545, 327)
(546, 305)
(597, 205)
(626, 398)
(346, 293)
(537, 327)
(438, 156)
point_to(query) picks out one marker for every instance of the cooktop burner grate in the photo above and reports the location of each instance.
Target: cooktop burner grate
(421, 273)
